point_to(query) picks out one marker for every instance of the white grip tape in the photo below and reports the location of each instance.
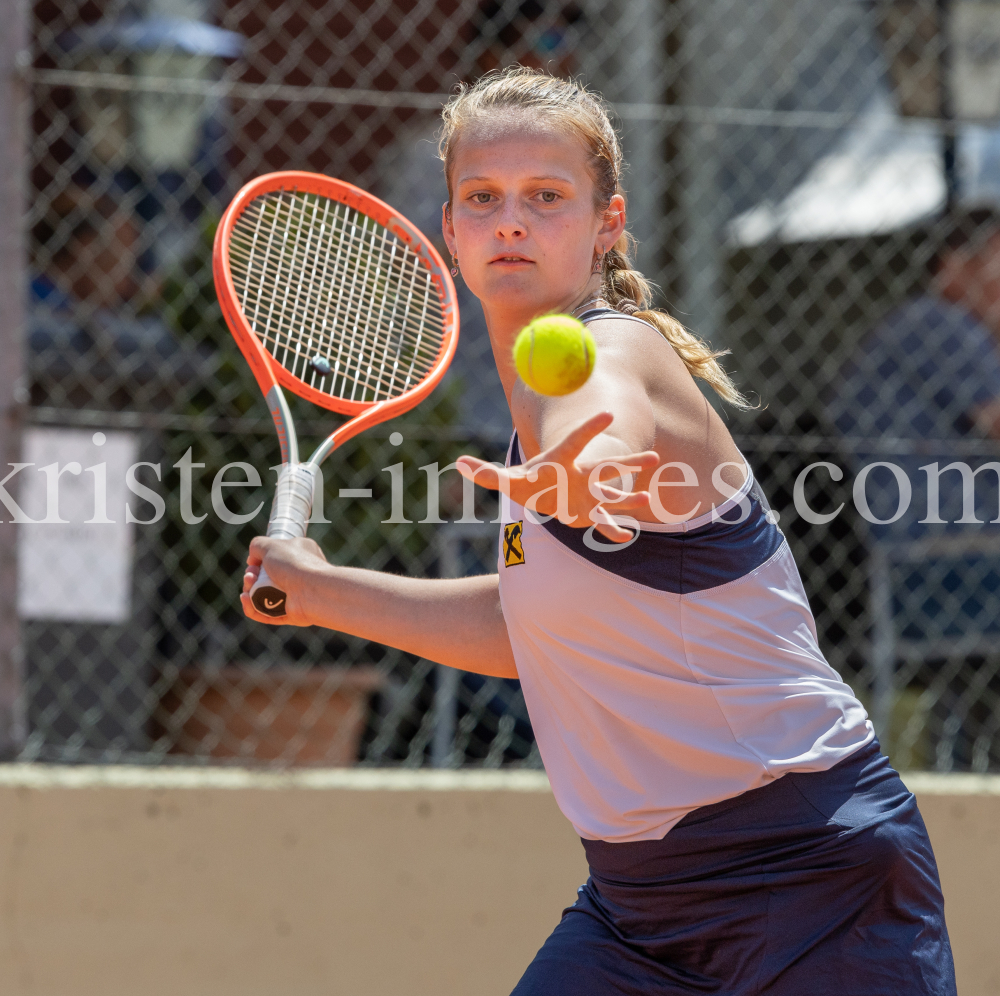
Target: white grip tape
(290, 512)
(293, 498)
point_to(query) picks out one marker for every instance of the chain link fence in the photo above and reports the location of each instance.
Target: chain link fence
(813, 185)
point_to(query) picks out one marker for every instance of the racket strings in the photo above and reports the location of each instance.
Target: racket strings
(317, 278)
(290, 353)
(349, 302)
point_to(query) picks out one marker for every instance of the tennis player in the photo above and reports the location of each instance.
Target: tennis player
(744, 833)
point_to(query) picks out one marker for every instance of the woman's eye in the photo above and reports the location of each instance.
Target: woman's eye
(481, 198)
(549, 196)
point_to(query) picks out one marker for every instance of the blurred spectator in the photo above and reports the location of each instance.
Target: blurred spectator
(92, 340)
(93, 246)
(928, 375)
(968, 277)
(922, 388)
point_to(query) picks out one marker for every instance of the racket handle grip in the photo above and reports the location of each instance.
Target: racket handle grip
(290, 512)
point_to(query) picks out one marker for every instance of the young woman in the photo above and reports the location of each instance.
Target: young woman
(743, 831)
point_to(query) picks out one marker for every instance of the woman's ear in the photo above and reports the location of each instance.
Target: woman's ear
(614, 221)
(447, 228)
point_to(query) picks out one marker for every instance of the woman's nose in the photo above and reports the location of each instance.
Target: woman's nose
(509, 225)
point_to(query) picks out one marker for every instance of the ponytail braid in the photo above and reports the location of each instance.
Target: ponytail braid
(629, 292)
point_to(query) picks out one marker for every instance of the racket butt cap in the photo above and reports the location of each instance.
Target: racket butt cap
(267, 599)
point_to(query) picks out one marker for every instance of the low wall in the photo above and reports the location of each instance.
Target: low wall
(119, 881)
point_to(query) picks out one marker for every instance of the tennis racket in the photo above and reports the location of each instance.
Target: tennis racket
(332, 295)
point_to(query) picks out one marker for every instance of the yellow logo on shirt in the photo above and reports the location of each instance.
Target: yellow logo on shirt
(513, 551)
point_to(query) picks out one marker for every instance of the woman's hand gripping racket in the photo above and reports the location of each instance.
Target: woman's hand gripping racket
(334, 296)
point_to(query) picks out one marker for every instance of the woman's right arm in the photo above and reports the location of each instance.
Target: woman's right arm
(454, 622)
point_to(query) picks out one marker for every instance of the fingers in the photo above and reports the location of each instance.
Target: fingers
(613, 532)
(607, 526)
(484, 473)
(522, 483)
(255, 556)
(625, 502)
(263, 546)
(251, 613)
(569, 448)
(633, 464)
(250, 577)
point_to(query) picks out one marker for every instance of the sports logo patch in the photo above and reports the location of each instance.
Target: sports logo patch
(513, 551)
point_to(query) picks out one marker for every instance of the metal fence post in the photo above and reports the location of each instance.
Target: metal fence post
(638, 79)
(13, 282)
(883, 645)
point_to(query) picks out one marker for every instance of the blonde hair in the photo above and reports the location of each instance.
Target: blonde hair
(571, 106)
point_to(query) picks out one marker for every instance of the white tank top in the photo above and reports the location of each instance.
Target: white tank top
(674, 673)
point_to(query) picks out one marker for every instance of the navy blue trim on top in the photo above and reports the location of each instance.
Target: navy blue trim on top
(683, 562)
(600, 314)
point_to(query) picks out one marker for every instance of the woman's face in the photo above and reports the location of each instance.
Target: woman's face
(523, 221)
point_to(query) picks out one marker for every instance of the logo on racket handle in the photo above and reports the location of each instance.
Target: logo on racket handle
(269, 600)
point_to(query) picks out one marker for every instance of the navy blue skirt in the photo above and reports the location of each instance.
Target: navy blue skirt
(819, 884)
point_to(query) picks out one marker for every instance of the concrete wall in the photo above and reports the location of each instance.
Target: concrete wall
(124, 881)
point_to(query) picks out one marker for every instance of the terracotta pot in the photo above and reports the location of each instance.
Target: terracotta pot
(302, 716)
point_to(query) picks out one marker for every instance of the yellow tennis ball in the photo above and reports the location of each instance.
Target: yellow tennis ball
(554, 354)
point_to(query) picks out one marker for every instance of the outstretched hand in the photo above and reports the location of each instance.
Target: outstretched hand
(557, 482)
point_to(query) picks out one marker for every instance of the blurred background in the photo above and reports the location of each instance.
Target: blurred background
(814, 184)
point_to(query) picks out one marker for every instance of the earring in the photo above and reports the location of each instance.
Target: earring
(454, 264)
(599, 262)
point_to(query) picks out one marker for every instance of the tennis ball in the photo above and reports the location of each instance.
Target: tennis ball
(554, 354)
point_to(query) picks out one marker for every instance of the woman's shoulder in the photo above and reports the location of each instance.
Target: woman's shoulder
(634, 344)
(628, 334)
(638, 336)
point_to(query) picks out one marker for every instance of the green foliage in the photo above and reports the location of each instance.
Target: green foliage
(191, 308)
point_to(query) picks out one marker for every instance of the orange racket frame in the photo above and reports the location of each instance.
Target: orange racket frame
(268, 372)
